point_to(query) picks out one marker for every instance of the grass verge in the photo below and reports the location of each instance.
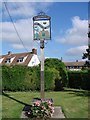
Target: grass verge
(74, 103)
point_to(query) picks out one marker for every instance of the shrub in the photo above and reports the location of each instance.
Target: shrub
(32, 81)
(78, 79)
(12, 77)
(40, 109)
(19, 78)
(51, 74)
(60, 66)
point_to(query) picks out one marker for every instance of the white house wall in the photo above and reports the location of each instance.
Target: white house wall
(1, 59)
(34, 61)
(25, 58)
(12, 59)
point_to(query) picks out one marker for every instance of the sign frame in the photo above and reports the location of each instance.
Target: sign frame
(42, 32)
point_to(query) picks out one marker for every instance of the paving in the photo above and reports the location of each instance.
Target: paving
(57, 113)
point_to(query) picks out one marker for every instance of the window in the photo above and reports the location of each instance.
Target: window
(33, 62)
(71, 67)
(20, 60)
(8, 60)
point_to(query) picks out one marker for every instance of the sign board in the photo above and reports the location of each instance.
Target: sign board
(41, 29)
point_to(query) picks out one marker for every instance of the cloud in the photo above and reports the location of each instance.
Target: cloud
(21, 13)
(17, 46)
(77, 34)
(21, 10)
(77, 51)
(24, 28)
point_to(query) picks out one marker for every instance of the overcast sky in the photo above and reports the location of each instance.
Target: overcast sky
(69, 28)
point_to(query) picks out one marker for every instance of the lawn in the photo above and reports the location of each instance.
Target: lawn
(74, 103)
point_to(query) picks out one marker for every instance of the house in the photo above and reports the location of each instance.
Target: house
(78, 65)
(28, 59)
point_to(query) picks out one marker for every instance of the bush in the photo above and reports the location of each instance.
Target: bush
(59, 66)
(78, 79)
(51, 74)
(12, 77)
(32, 79)
(19, 78)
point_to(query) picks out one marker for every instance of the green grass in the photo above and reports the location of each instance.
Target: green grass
(73, 102)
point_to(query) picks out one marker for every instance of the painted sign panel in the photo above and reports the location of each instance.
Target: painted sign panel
(41, 29)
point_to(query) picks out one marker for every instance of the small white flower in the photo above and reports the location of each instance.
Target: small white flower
(29, 113)
(36, 111)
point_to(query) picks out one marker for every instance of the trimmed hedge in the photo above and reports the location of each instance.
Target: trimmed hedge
(79, 79)
(21, 78)
(51, 74)
(13, 77)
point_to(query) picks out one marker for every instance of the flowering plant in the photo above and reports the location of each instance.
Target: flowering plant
(41, 109)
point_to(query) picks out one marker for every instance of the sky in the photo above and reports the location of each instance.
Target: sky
(69, 28)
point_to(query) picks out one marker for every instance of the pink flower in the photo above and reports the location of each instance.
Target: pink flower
(50, 103)
(37, 103)
(43, 108)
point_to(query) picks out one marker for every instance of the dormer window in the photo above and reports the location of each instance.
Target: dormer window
(8, 60)
(33, 62)
(20, 60)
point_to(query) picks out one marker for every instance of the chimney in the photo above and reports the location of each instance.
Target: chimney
(9, 52)
(34, 51)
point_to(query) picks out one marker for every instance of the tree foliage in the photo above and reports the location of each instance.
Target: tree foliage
(87, 53)
(58, 65)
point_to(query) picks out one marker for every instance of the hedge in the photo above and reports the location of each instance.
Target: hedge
(51, 75)
(79, 79)
(60, 66)
(13, 77)
(21, 78)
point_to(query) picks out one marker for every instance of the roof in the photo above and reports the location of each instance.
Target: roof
(79, 63)
(16, 57)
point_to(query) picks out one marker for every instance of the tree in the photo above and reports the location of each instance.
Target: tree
(58, 65)
(87, 54)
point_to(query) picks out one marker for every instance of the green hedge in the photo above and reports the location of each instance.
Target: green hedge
(13, 77)
(21, 78)
(60, 66)
(51, 74)
(79, 79)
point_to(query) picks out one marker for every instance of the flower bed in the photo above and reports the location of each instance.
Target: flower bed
(41, 109)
